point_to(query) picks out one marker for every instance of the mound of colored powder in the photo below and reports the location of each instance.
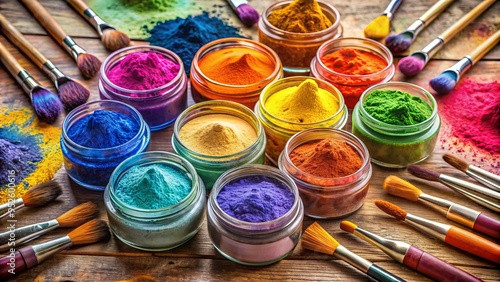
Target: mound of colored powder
(18, 158)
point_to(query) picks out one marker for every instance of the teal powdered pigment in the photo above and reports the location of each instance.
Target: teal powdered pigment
(153, 186)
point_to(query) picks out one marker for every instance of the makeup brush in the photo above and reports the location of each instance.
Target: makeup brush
(38, 195)
(487, 178)
(413, 64)
(380, 27)
(110, 36)
(411, 256)
(316, 238)
(452, 235)
(447, 80)
(455, 212)
(87, 63)
(72, 93)
(91, 232)
(401, 42)
(72, 218)
(247, 14)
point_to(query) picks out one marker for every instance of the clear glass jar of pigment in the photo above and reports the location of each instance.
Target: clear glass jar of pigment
(296, 50)
(203, 88)
(352, 86)
(278, 131)
(209, 168)
(156, 229)
(254, 243)
(392, 145)
(328, 197)
(92, 167)
(159, 106)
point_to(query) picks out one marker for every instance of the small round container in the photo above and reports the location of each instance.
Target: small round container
(254, 243)
(159, 106)
(204, 88)
(352, 86)
(296, 50)
(392, 145)
(91, 167)
(328, 197)
(211, 167)
(278, 131)
(156, 229)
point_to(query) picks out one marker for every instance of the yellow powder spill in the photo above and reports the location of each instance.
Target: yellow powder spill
(378, 29)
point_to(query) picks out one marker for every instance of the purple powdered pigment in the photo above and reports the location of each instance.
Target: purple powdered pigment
(14, 156)
(255, 198)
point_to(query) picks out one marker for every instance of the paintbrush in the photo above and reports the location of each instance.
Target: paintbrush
(110, 36)
(452, 235)
(72, 93)
(72, 218)
(247, 14)
(471, 218)
(487, 178)
(38, 195)
(91, 232)
(87, 63)
(380, 27)
(316, 238)
(401, 42)
(411, 256)
(413, 64)
(447, 80)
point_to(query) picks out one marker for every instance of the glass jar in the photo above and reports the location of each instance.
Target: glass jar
(278, 131)
(352, 86)
(156, 229)
(159, 106)
(296, 50)
(204, 88)
(211, 167)
(328, 197)
(392, 145)
(91, 167)
(254, 243)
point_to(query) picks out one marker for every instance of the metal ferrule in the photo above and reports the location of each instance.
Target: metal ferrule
(432, 48)
(16, 204)
(415, 28)
(99, 24)
(391, 8)
(469, 186)
(47, 249)
(460, 67)
(353, 259)
(70, 45)
(27, 233)
(395, 249)
(430, 227)
(463, 215)
(483, 202)
(27, 82)
(487, 178)
(54, 73)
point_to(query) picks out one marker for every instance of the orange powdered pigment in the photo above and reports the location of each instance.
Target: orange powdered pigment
(354, 61)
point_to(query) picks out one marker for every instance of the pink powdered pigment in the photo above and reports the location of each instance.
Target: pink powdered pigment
(143, 71)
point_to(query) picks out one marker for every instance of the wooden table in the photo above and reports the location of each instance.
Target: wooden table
(197, 259)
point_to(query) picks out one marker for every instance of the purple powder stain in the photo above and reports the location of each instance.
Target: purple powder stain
(20, 157)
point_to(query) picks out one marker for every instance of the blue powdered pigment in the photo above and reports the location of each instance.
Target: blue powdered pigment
(185, 36)
(255, 198)
(19, 156)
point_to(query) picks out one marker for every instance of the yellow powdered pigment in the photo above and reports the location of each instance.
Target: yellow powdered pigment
(300, 16)
(217, 134)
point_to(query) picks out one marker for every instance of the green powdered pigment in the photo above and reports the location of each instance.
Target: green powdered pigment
(153, 186)
(397, 107)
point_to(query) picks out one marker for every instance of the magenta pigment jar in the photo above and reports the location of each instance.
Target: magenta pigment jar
(160, 105)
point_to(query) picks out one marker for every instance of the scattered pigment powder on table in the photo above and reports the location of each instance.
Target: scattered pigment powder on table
(255, 198)
(300, 16)
(17, 160)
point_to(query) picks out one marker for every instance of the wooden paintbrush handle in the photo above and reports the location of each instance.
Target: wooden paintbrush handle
(485, 47)
(473, 244)
(9, 61)
(79, 6)
(46, 20)
(435, 11)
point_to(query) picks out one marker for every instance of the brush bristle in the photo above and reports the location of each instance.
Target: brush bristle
(73, 94)
(88, 64)
(114, 39)
(46, 104)
(456, 162)
(443, 83)
(247, 14)
(378, 29)
(42, 194)
(391, 209)
(78, 215)
(411, 66)
(423, 173)
(401, 188)
(316, 238)
(398, 43)
(91, 232)
(348, 226)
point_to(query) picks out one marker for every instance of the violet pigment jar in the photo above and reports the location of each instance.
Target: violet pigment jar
(250, 235)
(125, 77)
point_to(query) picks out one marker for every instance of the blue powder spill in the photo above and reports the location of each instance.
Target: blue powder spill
(17, 153)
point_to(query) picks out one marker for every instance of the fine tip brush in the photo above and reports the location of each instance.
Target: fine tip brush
(414, 63)
(38, 195)
(87, 63)
(71, 93)
(380, 27)
(487, 178)
(471, 218)
(91, 232)
(246, 13)
(316, 238)
(111, 38)
(72, 218)
(452, 235)
(46, 104)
